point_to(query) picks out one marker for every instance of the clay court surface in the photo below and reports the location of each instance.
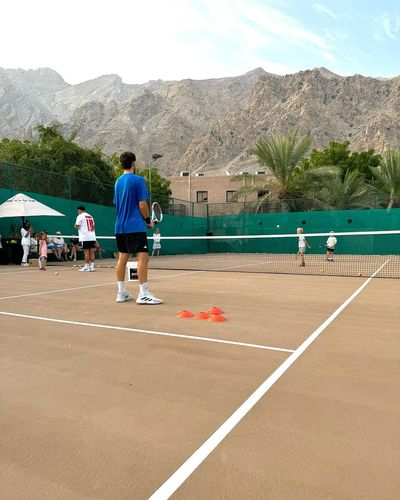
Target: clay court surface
(89, 412)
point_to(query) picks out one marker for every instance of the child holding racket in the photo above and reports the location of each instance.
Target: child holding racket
(330, 246)
(130, 200)
(303, 243)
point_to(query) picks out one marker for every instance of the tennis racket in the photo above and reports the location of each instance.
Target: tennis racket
(156, 213)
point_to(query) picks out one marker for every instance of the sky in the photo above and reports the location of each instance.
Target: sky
(142, 40)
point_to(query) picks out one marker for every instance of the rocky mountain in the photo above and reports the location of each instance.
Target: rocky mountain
(203, 125)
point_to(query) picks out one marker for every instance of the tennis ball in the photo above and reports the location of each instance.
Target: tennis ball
(278, 226)
(322, 270)
(359, 274)
(56, 273)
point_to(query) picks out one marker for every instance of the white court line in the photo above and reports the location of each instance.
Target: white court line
(148, 332)
(191, 464)
(91, 286)
(113, 282)
(55, 291)
(18, 271)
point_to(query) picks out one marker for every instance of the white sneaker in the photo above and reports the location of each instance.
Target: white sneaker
(148, 299)
(84, 269)
(92, 269)
(123, 297)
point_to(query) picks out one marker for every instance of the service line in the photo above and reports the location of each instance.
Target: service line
(91, 286)
(148, 332)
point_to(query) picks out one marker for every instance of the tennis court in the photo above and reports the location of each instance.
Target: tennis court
(295, 396)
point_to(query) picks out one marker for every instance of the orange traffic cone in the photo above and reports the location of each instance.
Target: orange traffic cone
(216, 318)
(185, 314)
(201, 315)
(215, 310)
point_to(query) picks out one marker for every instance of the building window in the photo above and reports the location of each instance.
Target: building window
(202, 196)
(230, 196)
(261, 193)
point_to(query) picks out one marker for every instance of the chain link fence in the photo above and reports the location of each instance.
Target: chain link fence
(17, 178)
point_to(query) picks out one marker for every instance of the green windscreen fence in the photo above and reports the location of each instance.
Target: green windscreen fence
(175, 225)
(104, 216)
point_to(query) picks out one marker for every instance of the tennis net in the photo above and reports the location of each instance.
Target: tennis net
(354, 254)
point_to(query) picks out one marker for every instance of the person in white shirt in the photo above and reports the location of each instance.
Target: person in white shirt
(26, 233)
(303, 243)
(87, 237)
(156, 243)
(54, 246)
(60, 244)
(330, 246)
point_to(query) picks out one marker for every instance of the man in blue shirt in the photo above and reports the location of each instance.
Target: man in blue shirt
(130, 200)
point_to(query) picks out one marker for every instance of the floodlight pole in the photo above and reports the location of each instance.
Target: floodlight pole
(154, 158)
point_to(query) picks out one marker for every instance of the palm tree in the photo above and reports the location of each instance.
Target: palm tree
(387, 178)
(282, 155)
(342, 193)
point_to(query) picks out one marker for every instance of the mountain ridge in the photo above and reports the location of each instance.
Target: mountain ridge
(203, 125)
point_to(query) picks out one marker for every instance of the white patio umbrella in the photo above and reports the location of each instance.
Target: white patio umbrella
(22, 205)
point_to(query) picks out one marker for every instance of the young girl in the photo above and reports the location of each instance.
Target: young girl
(42, 252)
(303, 243)
(156, 243)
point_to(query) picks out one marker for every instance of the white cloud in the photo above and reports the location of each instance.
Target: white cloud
(336, 36)
(279, 24)
(378, 37)
(391, 26)
(325, 10)
(329, 56)
(138, 40)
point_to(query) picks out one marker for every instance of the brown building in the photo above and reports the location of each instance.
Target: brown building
(200, 188)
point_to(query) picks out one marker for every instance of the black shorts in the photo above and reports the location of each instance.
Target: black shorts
(132, 242)
(330, 249)
(86, 245)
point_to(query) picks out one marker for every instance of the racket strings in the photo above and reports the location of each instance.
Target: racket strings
(156, 212)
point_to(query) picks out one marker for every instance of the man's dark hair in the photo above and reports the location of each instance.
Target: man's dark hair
(126, 159)
(81, 207)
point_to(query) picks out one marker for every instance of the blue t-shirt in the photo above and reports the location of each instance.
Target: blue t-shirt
(129, 190)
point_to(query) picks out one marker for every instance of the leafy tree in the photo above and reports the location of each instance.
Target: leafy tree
(335, 154)
(387, 178)
(364, 162)
(52, 152)
(339, 155)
